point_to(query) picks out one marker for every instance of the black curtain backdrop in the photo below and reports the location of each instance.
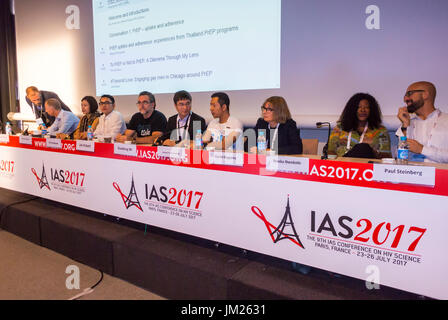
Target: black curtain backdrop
(8, 61)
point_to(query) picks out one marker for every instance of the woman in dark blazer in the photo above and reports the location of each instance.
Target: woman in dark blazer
(282, 134)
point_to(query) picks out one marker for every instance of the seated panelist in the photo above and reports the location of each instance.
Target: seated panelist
(359, 132)
(65, 122)
(425, 125)
(111, 122)
(89, 108)
(182, 127)
(282, 134)
(224, 132)
(146, 125)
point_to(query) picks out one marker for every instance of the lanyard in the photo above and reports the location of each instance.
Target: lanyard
(439, 113)
(275, 136)
(362, 136)
(187, 125)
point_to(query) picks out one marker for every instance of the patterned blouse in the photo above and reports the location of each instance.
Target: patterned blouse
(378, 139)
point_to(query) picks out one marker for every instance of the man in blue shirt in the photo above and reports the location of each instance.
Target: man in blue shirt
(65, 122)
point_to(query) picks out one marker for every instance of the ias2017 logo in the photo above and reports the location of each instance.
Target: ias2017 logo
(132, 199)
(281, 232)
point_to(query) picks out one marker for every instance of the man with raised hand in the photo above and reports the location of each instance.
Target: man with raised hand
(425, 126)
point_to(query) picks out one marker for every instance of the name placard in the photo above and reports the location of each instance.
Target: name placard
(288, 164)
(173, 153)
(226, 158)
(122, 149)
(4, 138)
(26, 140)
(87, 146)
(425, 176)
(54, 143)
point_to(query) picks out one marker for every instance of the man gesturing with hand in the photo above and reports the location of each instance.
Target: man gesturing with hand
(425, 126)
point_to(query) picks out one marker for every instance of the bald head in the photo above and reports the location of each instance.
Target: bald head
(429, 88)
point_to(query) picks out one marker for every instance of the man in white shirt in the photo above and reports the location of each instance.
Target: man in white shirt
(223, 132)
(427, 129)
(111, 122)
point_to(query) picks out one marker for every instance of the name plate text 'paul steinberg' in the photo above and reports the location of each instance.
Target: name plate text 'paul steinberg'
(418, 175)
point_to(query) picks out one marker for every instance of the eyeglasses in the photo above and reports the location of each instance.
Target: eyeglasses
(105, 103)
(266, 109)
(411, 92)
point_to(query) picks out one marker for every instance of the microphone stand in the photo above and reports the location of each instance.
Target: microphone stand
(325, 149)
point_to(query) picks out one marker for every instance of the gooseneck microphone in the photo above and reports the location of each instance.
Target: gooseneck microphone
(325, 149)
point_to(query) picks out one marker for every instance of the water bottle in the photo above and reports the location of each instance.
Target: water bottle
(8, 129)
(89, 133)
(261, 142)
(44, 129)
(198, 140)
(403, 151)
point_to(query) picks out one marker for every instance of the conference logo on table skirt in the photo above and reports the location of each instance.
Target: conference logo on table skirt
(158, 199)
(7, 169)
(60, 179)
(367, 238)
(360, 238)
(285, 230)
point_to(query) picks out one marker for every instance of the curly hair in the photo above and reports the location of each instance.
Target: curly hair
(349, 119)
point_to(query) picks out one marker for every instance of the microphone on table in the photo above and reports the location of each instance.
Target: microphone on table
(325, 149)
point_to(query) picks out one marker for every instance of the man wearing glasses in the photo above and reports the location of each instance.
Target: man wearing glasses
(183, 126)
(427, 129)
(111, 122)
(146, 125)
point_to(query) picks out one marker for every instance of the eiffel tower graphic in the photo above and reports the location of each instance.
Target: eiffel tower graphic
(286, 223)
(132, 198)
(43, 181)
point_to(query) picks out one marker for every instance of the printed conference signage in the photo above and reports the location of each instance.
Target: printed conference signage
(419, 175)
(4, 138)
(288, 164)
(28, 140)
(226, 158)
(122, 149)
(86, 146)
(299, 220)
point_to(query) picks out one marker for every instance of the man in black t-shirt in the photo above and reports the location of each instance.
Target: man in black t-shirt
(146, 125)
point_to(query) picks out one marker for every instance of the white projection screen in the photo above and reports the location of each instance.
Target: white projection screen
(314, 53)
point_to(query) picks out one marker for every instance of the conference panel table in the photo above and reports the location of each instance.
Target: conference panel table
(383, 223)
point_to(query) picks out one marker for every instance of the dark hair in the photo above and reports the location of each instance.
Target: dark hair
(349, 118)
(108, 96)
(150, 95)
(223, 98)
(181, 95)
(93, 104)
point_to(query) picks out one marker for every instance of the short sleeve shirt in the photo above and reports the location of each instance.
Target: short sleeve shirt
(146, 127)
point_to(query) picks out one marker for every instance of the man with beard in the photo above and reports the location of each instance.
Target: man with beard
(146, 125)
(427, 129)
